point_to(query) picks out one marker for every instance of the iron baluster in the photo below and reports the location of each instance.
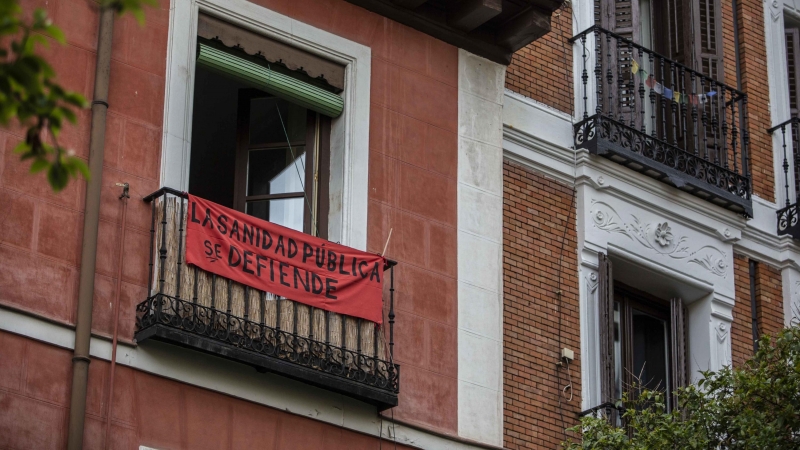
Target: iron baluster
(162, 252)
(598, 73)
(682, 82)
(311, 323)
(278, 313)
(630, 91)
(610, 77)
(247, 303)
(662, 103)
(228, 310)
(358, 338)
(724, 119)
(585, 79)
(641, 95)
(180, 249)
(327, 328)
(152, 248)
(673, 104)
(693, 100)
(620, 83)
(263, 308)
(704, 104)
(785, 164)
(391, 313)
(734, 134)
(796, 151)
(714, 123)
(653, 126)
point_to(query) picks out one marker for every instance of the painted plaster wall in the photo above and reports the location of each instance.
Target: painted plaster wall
(145, 410)
(412, 190)
(40, 231)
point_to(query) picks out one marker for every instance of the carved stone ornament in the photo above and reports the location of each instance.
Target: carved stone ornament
(659, 238)
(663, 235)
(591, 283)
(722, 337)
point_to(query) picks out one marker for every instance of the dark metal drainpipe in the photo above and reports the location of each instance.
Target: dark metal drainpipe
(753, 312)
(83, 323)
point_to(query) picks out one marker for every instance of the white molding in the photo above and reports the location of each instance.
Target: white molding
(778, 83)
(349, 135)
(480, 249)
(237, 380)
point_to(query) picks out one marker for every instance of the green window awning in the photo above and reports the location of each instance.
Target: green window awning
(278, 84)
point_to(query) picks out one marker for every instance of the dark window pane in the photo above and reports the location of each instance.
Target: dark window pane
(287, 211)
(212, 168)
(650, 363)
(276, 171)
(267, 126)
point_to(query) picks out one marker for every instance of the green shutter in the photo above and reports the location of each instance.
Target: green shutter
(278, 84)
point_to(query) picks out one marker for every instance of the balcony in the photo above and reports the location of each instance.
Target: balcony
(199, 310)
(662, 119)
(493, 29)
(790, 139)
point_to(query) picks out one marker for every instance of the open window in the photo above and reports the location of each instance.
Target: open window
(261, 127)
(642, 339)
(665, 26)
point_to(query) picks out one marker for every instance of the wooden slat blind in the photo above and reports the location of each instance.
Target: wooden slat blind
(605, 300)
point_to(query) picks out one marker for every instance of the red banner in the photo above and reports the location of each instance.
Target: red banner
(283, 261)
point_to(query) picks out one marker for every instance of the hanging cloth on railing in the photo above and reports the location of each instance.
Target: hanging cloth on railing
(679, 97)
(283, 261)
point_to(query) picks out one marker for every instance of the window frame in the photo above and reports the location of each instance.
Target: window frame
(349, 137)
(316, 166)
(629, 299)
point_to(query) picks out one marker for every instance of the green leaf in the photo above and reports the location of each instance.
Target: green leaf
(39, 165)
(56, 33)
(58, 177)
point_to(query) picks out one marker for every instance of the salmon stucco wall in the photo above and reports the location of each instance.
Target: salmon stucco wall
(40, 231)
(145, 410)
(412, 185)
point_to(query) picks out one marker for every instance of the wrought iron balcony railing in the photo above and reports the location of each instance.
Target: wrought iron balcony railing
(663, 119)
(788, 215)
(193, 308)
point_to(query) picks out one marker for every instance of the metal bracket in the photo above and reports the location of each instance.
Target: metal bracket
(125, 187)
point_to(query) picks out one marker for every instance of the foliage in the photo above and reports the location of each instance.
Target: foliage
(30, 95)
(752, 407)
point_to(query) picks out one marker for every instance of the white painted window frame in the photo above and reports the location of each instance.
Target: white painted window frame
(349, 132)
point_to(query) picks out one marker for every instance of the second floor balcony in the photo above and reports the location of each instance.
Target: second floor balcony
(192, 308)
(662, 119)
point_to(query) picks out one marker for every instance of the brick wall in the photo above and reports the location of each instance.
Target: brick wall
(755, 83)
(536, 211)
(769, 299)
(741, 329)
(769, 306)
(543, 69)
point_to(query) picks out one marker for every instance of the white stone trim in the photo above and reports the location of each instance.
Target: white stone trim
(480, 249)
(237, 380)
(349, 132)
(778, 81)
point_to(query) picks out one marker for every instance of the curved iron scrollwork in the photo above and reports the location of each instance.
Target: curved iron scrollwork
(788, 219)
(584, 133)
(623, 136)
(262, 339)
